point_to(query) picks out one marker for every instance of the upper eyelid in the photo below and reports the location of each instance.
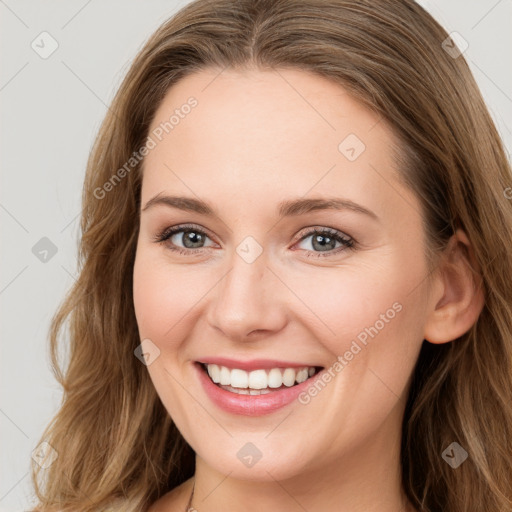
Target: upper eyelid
(179, 228)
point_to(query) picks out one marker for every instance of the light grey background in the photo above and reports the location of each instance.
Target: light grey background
(51, 110)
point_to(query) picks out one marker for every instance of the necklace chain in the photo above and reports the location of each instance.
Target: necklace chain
(189, 504)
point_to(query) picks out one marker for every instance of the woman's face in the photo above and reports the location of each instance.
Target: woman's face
(270, 278)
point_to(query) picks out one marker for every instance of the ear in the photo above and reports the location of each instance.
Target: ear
(457, 298)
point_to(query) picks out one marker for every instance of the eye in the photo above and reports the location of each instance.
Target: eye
(324, 240)
(190, 236)
(193, 238)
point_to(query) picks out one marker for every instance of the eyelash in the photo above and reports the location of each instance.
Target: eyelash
(166, 234)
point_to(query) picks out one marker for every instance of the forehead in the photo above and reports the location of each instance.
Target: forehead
(269, 133)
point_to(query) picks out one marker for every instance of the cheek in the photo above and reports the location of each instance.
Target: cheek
(162, 297)
(365, 303)
(370, 319)
(152, 302)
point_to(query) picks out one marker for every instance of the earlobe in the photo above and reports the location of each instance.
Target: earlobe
(458, 296)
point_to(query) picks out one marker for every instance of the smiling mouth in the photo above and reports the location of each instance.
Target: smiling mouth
(258, 382)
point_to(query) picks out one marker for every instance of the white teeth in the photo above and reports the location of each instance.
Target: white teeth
(239, 378)
(302, 375)
(240, 391)
(258, 379)
(275, 378)
(289, 377)
(225, 376)
(214, 373)
(257, 382)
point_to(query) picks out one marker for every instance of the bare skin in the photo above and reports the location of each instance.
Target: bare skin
(254, 139)
(175, 500)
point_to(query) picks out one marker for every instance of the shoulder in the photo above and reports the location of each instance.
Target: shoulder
(175, 500)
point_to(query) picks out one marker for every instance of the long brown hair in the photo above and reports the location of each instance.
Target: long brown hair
(114, 439)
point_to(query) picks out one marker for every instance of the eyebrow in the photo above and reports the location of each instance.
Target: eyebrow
(288, 208)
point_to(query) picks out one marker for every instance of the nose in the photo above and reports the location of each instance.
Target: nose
(248, 303)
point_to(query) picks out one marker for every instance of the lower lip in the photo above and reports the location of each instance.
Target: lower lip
(250, 405)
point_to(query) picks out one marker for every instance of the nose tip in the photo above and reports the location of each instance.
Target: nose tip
(246, 306)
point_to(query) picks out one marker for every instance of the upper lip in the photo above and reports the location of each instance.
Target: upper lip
(254, 364)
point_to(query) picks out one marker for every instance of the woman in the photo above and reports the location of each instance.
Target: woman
(295, 274)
